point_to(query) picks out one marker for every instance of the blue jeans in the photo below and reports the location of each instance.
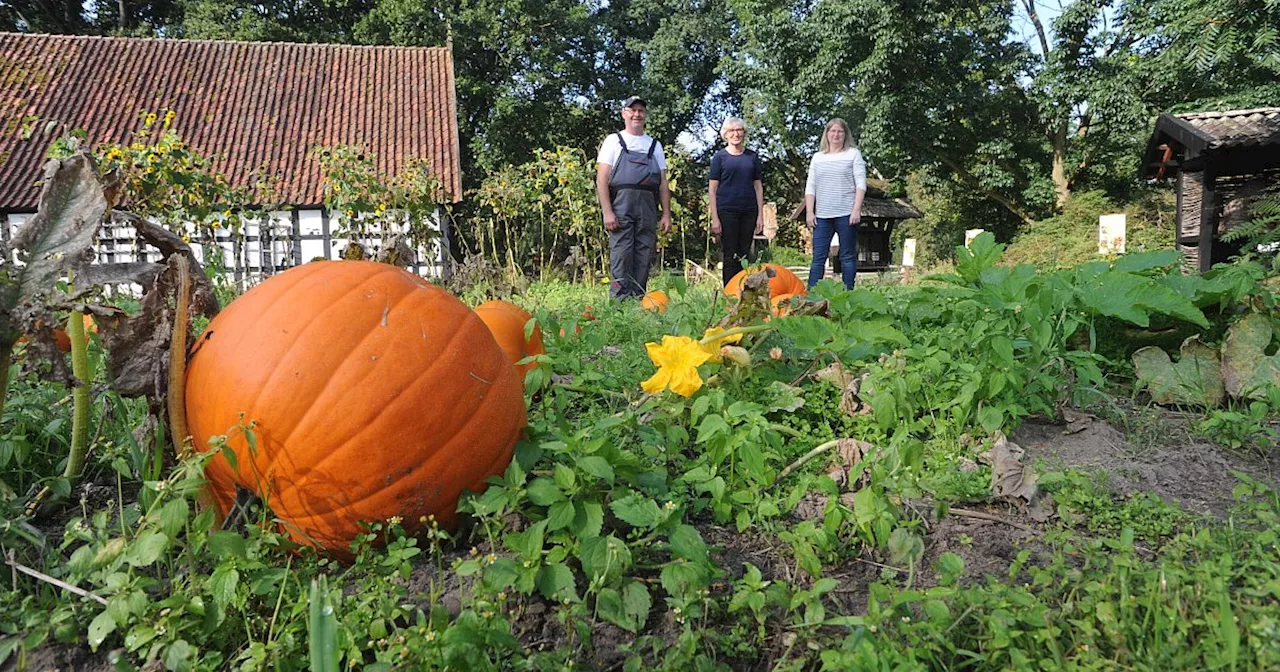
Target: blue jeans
(826, 228)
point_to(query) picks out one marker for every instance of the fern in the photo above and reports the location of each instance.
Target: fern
(1262, 232)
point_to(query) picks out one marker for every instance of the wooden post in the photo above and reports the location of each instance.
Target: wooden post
(1208, 220)
(1187, 236)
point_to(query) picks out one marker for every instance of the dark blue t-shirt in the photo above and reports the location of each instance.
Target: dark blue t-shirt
(737, 176)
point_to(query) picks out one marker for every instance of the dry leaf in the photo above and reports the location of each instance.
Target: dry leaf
(1076, 421)
(835, 374)
(849, 454)
(810, 507)
(1043, 510)
(1010, 479)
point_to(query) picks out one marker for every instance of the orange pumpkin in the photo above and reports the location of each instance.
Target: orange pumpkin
(506, 322)
(60, 337)
(783, 281)
(376, 395)
(656, 301)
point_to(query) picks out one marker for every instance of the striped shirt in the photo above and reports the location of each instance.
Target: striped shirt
(833, 179)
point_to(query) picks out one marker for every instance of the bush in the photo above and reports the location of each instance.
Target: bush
(1071, 238)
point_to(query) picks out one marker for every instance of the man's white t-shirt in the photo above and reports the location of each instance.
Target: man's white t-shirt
(610, 150)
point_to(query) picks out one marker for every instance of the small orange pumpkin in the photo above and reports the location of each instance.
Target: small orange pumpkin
(656, 301)
(376, 395)
(506, 322)
(782, 282)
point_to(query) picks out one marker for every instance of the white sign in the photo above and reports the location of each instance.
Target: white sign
(1111, 229)
(909, 252)
(971, 234)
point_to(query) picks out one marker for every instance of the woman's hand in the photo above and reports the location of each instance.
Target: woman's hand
(759, 223)
(715, 226)
(854, 218)
(810, 221)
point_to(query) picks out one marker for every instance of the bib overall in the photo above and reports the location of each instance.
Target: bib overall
(633, 190)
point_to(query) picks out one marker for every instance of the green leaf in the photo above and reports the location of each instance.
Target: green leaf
(223, 543)
(990, 418)
(544, 492)
(687, 543)
(556, 582)
(560, 515)
(222, 585)
(1137, 262)
(905, 546)
(146, 548)
(565, 477)
(179, 654)
(606, 558)
(597, 466)
(173, 516)
(637, 510)
(711, 426)
(589, 519)
(99, 629)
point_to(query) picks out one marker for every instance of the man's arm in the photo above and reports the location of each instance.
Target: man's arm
(664, 195)
(603, 172)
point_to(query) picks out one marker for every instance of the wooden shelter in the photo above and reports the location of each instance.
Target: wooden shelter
(1222, 161)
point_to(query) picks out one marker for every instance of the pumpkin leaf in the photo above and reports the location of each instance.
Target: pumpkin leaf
(1197, 378)
(138, 346)
(1246, 368)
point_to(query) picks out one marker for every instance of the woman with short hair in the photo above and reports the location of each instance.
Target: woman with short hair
(833, 201)
(736, 196)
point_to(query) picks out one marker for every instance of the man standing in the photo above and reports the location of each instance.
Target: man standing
(631, 177)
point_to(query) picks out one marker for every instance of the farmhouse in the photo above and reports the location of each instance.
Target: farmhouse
(1222, 160)
(257, 110)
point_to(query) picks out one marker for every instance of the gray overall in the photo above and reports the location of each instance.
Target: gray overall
(633, 190)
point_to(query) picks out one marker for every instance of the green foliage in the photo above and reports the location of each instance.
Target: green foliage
(1071, 238)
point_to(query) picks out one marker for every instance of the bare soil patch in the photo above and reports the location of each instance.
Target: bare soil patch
(1194, 475)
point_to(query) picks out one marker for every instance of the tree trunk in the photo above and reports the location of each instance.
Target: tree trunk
(1061, 182)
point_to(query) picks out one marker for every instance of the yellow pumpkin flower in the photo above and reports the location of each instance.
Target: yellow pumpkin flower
(677, 360)
(712, 344)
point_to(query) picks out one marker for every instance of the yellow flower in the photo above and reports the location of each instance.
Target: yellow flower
(169, 116)
(713, 345)
(677, 360)
(736, 354)
(151, 119)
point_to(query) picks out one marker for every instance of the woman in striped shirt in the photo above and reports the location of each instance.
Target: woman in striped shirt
(833, 201)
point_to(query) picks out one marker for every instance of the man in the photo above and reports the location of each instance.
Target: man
(631, 178)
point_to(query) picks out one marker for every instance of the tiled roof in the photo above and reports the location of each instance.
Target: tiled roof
(1236, 128)
(250, 106)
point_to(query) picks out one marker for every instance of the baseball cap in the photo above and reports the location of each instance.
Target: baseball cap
(632, 101)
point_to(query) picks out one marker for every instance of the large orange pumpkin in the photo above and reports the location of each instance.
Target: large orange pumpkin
(783, 281)
(376, 395)
(655, 301)
(506, 322)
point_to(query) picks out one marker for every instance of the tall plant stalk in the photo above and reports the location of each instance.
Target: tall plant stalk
(83, 371)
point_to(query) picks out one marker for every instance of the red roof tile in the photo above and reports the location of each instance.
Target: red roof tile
(250, 106)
